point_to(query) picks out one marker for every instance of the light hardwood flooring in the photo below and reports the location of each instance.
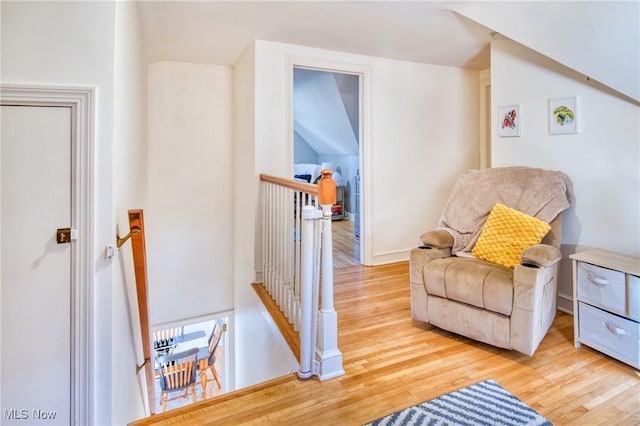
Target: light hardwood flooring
(346, 247)
(392, 362)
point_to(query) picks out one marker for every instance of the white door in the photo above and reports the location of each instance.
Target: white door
(35, 270)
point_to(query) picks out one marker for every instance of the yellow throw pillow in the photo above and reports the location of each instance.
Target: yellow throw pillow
(505, 235)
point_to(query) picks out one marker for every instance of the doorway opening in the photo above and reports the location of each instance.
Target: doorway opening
(327, 130)
(211, 339)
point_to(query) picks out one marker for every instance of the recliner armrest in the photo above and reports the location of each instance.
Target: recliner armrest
(541, 255)
(437, 238)
(418, 257)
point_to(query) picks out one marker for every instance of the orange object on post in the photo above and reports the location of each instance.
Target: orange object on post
(326, 188)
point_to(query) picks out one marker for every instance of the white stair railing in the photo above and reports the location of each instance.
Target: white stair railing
(297, 253)
(282, 203)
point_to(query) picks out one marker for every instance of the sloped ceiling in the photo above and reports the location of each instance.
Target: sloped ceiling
(217, 32)
(321, 115)
(599, 39)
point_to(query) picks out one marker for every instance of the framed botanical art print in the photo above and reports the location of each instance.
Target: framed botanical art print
(509, 120)
(563, 116)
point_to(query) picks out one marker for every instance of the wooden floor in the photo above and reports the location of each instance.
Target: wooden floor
(346, 247)
(392, 362)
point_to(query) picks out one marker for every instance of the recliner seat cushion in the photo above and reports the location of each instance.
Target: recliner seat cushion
(471, 281)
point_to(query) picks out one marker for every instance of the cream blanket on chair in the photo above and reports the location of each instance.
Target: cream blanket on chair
(537, 192)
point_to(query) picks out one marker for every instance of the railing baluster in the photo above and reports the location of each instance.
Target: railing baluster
(307, 278)
(296, 253)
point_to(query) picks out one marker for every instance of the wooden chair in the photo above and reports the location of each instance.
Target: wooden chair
(207, 357)
(178, 372)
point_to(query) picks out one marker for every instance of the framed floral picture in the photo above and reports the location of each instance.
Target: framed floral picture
(509, 120)
(563, 116)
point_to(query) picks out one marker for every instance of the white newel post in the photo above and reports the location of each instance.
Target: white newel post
(319, 354)
(309, 215)
(328, 356)
(327, 352)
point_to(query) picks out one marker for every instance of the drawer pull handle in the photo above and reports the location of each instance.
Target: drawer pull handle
(613, 329)
(598, 281)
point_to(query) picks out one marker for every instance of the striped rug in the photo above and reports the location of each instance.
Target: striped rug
(485, 403)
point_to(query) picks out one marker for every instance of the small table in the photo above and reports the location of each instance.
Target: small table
(177, 343)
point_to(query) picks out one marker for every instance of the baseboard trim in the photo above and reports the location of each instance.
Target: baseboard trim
(565, 303)
(390, 257)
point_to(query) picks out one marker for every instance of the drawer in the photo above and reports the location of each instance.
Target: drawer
(611, 334)
(602, 287)
(634, 297)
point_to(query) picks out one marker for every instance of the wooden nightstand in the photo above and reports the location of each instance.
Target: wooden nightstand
(606, 304)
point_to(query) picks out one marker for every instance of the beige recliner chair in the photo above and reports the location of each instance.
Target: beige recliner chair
(456, 283)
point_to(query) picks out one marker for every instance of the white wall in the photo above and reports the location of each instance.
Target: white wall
(303, 153)
(245, 175)
(422, 131)
(596, 38)
(71, 43)
(189, 216)
(255, 332)
(603, 160)
(128, 391)
(426, 132)
(245, 182)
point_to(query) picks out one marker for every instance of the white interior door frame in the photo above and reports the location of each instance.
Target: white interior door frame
(364, 138)
(485, 119)
(81, 101)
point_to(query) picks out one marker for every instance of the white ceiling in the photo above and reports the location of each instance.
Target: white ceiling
(217, 32)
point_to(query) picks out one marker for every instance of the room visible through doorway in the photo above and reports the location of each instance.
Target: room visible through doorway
(326, 134)
(178, 339)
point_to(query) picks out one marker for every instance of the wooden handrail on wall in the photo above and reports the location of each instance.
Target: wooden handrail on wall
(136, 221)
